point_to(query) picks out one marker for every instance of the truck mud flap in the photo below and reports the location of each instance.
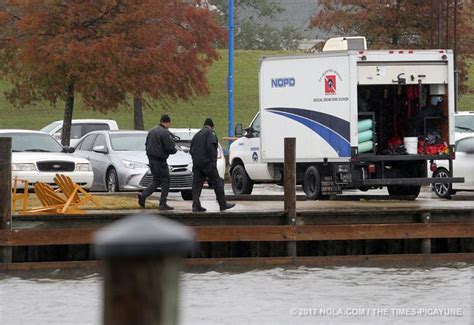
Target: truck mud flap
(406, 181)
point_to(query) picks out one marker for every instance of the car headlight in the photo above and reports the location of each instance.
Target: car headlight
(83, 167)
(24, 167)
(134, 164)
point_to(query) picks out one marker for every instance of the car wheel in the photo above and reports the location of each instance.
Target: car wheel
(241, 182)
(442, 190)
(312, 183)
(112, 183)
(187, 195)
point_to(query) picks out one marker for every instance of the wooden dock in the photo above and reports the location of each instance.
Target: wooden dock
(335, 233)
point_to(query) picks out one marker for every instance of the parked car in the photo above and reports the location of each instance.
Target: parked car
(79, 128)
(120, 163)
(463, 125)
(463, 166)
(186, 135)
(37, 157)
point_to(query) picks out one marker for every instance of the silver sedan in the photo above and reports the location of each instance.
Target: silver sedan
(120, 163)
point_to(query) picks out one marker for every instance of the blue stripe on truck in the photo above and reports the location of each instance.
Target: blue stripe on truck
(333, 130)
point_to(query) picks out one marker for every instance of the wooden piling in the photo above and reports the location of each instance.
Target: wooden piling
(142, 268)
(290, 189)
(5, 194)
(426, 242)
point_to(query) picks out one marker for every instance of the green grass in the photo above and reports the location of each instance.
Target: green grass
(183, 114)
(466, 101)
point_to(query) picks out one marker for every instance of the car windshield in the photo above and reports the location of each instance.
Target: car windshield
(48, 128)
(184, 136)
(464, 123)
(128, 142)
(34, 142)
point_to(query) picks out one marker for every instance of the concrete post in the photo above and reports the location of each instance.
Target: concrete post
(290, 188)
(142, 267)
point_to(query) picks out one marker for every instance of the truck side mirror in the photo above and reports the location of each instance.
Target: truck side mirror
(238, 130)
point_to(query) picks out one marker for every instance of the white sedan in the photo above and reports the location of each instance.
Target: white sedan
(185, 137)
(37, 157)
(463, 166)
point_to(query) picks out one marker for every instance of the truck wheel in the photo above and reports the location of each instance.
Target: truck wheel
(241, 182)
(187, 195)
(405, 192)
(312, 183)
(442, 190)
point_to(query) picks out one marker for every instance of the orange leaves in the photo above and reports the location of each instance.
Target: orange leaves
(108, 49)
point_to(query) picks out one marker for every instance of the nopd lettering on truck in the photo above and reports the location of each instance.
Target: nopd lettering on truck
(283, 82)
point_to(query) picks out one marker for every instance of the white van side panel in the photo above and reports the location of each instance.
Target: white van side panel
(310, 98)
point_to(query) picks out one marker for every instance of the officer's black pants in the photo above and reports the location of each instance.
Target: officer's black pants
(161, 176)
(209, 172)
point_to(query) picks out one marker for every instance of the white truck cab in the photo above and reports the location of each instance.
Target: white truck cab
(246, 157)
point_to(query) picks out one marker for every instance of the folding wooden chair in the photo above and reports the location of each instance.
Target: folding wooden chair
(74, 193)
(52, 202)
(20, 196)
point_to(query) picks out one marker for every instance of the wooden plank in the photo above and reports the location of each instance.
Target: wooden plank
(29, 266)
(350, 260)
(5, 182)
(354, 260)
(334, 232)
(32, 237)
(26, 237)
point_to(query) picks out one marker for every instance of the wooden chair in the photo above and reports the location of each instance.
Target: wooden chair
(20, 196)
(52, 201)
(74, 193)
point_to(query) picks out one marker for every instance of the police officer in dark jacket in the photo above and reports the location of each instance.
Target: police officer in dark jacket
(159, 145)
(204, 153)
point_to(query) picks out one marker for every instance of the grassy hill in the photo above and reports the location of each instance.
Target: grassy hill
(183, 114)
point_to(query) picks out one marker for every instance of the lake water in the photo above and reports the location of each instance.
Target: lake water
(441, 295)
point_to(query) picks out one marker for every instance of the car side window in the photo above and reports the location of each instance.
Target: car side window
(75, 132)
(100, 141)
(465, 145)
(86, 144)
(255, 127)
(89, 127)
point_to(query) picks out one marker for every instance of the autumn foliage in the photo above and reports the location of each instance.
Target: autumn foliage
(106, 50)
(403, 24)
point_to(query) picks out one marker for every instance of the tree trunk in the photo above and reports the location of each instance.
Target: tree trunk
(138, 123)
(66, 131)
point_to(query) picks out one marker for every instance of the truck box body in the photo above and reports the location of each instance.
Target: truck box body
(362, 120)
(315, 97)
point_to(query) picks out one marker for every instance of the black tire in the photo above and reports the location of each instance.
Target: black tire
(241, 182)
(187, 195)
(442, 190)
(111, 181)
(404, 192)
(312, 183)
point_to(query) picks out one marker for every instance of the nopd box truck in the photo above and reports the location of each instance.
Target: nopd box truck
(362, 120)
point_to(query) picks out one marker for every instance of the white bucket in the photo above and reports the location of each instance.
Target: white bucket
(411, 145)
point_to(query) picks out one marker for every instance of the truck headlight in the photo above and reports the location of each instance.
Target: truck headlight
(23, 167)
(83, 167)
(134, 164)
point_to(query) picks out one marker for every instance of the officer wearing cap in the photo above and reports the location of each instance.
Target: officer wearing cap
(204, 152)
(159, 145)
